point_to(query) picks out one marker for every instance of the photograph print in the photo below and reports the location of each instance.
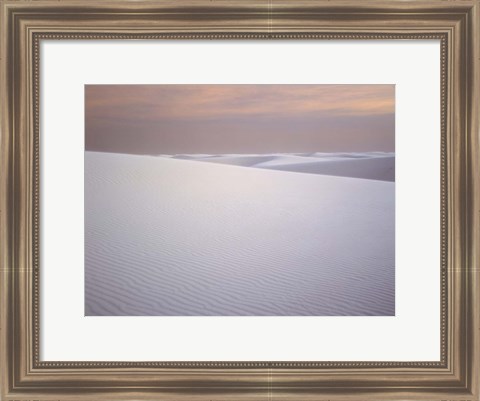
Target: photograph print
(239, 200)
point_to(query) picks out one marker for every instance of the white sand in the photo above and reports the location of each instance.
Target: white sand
(369, 165)
(179, 237)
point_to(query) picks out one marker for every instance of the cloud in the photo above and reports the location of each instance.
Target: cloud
(197, 102)
(172, 119)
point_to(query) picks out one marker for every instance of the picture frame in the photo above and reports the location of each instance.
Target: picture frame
(24, 24)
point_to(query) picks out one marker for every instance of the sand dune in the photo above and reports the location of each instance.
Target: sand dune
(174, 237)
(236, 160)
(368, 165)
(376, 168)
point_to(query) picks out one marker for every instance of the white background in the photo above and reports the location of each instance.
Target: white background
(412, 335)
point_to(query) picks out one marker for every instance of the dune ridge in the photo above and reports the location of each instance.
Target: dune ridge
(368, 165)
(173, 237)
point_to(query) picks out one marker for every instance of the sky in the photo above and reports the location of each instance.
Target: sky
(215, 119)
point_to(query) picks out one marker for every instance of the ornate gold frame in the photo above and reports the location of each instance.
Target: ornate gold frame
(25, 23)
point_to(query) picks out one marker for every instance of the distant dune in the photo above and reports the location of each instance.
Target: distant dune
(369, 165)
(174, 237)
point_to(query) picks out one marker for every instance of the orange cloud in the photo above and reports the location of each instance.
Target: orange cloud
(157, 102)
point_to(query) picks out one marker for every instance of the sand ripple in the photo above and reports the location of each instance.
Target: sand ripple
(181, 238)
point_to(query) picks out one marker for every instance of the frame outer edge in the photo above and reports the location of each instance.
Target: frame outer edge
(8, 175)
(6, 348)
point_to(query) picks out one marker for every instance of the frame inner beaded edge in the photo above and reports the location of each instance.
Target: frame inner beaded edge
(37, 364)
